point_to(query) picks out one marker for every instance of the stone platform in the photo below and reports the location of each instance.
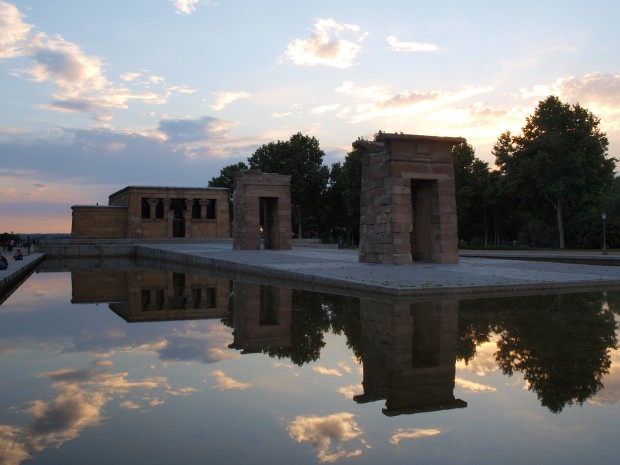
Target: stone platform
(340, 271)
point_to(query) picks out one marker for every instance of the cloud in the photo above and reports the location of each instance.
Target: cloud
(598, 92)
(399, 46)
(379, 105)
(226, 383)
(130, 76)
(327, 434)
(13, 450)
(207, 343)
(79, 78)
(472, 386)
(184, 7)
(402, 433)
(13, 31)
(374, 93)
(82, 395)
(326, 371)
(326, 46)
(325, 109)
(223, 98)
(351, 390)
(179, 131)
(610, 394)
(282, 115)
(484, 363)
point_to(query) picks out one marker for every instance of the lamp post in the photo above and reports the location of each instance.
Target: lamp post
(604, 217)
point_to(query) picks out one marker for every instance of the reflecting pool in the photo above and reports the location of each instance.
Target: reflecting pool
(159, 367)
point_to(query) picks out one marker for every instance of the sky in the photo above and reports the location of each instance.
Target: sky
(96, 96)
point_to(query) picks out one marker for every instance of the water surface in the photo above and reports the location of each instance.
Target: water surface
(159, 367)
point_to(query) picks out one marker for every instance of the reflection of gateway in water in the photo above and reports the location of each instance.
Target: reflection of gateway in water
(408, 348)
(408, 352)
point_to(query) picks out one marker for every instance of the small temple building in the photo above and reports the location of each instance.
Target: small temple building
(155, 212)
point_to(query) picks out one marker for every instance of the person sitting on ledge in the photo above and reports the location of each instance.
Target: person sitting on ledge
(4, 263)
(18, 255)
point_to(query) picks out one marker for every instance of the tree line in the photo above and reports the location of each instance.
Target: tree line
(550, 185)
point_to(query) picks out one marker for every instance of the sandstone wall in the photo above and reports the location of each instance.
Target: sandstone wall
(408, 205)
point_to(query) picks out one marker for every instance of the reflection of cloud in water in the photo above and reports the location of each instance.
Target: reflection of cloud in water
(226, 383)
(345, 367)
(82, 394)
(196, 344)
(351, 390)
(472, 386)
(402, 433)
(12, 449)
(129, 405)
(326, 371)
(484, 362)
(611, 382)
(33, 291)
(328, 435)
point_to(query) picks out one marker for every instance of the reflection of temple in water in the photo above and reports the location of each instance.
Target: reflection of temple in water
(153, 295)
(262, 317)
(408, 351)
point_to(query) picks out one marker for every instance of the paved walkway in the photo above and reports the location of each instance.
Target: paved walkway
(339, 270)
(334, 270)
(16, 273)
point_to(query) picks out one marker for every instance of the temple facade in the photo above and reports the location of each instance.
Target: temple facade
(155, 212)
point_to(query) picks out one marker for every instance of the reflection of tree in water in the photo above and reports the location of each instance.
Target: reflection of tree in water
(561, 343)
(477, 319)
(313, 315)
(309, 321)
(346, 319)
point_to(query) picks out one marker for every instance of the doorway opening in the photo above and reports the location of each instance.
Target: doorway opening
(421, 215)
(268, 222)
(178, 222)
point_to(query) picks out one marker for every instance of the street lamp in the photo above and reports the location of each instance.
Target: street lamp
(604, 217)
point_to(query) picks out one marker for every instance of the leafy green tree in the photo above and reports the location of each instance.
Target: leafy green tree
(302, 159)
(226, 179)
(472, 182)
(352, 169)
(332, 222)
(559, 159)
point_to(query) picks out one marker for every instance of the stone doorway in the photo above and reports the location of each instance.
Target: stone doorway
(422, 218)
(262, 206)
(178, 219)
(268, 214)
(408, 205)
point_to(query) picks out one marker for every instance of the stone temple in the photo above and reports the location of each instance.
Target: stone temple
(408, 204)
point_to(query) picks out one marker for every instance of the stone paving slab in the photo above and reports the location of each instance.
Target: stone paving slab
(340, 269)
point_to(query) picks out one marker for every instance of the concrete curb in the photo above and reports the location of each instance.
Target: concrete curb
(17, 273)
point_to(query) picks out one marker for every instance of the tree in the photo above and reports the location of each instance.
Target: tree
(226, 179)
(302, 159)
(471, 178)
(559, 159)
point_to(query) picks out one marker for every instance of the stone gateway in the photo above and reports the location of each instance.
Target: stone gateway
(408, 204)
